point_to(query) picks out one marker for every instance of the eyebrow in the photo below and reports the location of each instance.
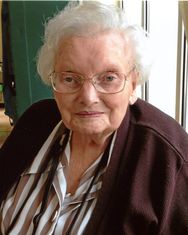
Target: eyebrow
(112, 68)
(107, 68)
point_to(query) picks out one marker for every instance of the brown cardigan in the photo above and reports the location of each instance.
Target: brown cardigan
(145, 188)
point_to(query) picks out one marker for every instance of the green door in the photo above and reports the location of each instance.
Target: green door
(27, 19)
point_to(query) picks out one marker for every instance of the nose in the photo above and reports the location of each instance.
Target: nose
(88, 94)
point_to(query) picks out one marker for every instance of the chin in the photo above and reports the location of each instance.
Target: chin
(88, 130)
(94, 130)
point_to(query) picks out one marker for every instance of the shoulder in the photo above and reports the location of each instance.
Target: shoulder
(159, 126)
(35, 124)
(25, 140)
(39, 114)
(33, 127)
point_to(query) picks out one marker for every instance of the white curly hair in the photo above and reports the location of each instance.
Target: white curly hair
(87, 19)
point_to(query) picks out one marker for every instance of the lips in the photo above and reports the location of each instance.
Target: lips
(89, 113)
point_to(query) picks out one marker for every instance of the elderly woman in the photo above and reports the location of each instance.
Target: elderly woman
(101, 161)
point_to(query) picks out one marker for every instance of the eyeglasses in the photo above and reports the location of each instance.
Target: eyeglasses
(107, 82)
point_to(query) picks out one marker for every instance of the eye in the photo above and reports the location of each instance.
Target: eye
(109, 77)
(68, 79)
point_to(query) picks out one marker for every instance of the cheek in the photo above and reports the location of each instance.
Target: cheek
(118, 108)
(59, 100)
(62, 102)
(119, 104)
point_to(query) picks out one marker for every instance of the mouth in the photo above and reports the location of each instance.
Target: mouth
(86, 114)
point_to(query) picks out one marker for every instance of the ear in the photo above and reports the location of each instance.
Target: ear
(133, 97)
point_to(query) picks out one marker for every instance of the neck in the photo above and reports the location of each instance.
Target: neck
(89, 142)
(84, 151)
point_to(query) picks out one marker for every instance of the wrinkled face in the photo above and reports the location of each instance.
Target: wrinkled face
(88, 111)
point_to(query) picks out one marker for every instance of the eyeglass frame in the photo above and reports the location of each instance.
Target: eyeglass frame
(90, 79)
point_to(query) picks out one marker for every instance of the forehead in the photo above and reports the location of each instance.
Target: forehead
(108, 47)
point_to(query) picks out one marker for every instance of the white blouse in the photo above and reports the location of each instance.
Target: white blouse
(61, 206)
